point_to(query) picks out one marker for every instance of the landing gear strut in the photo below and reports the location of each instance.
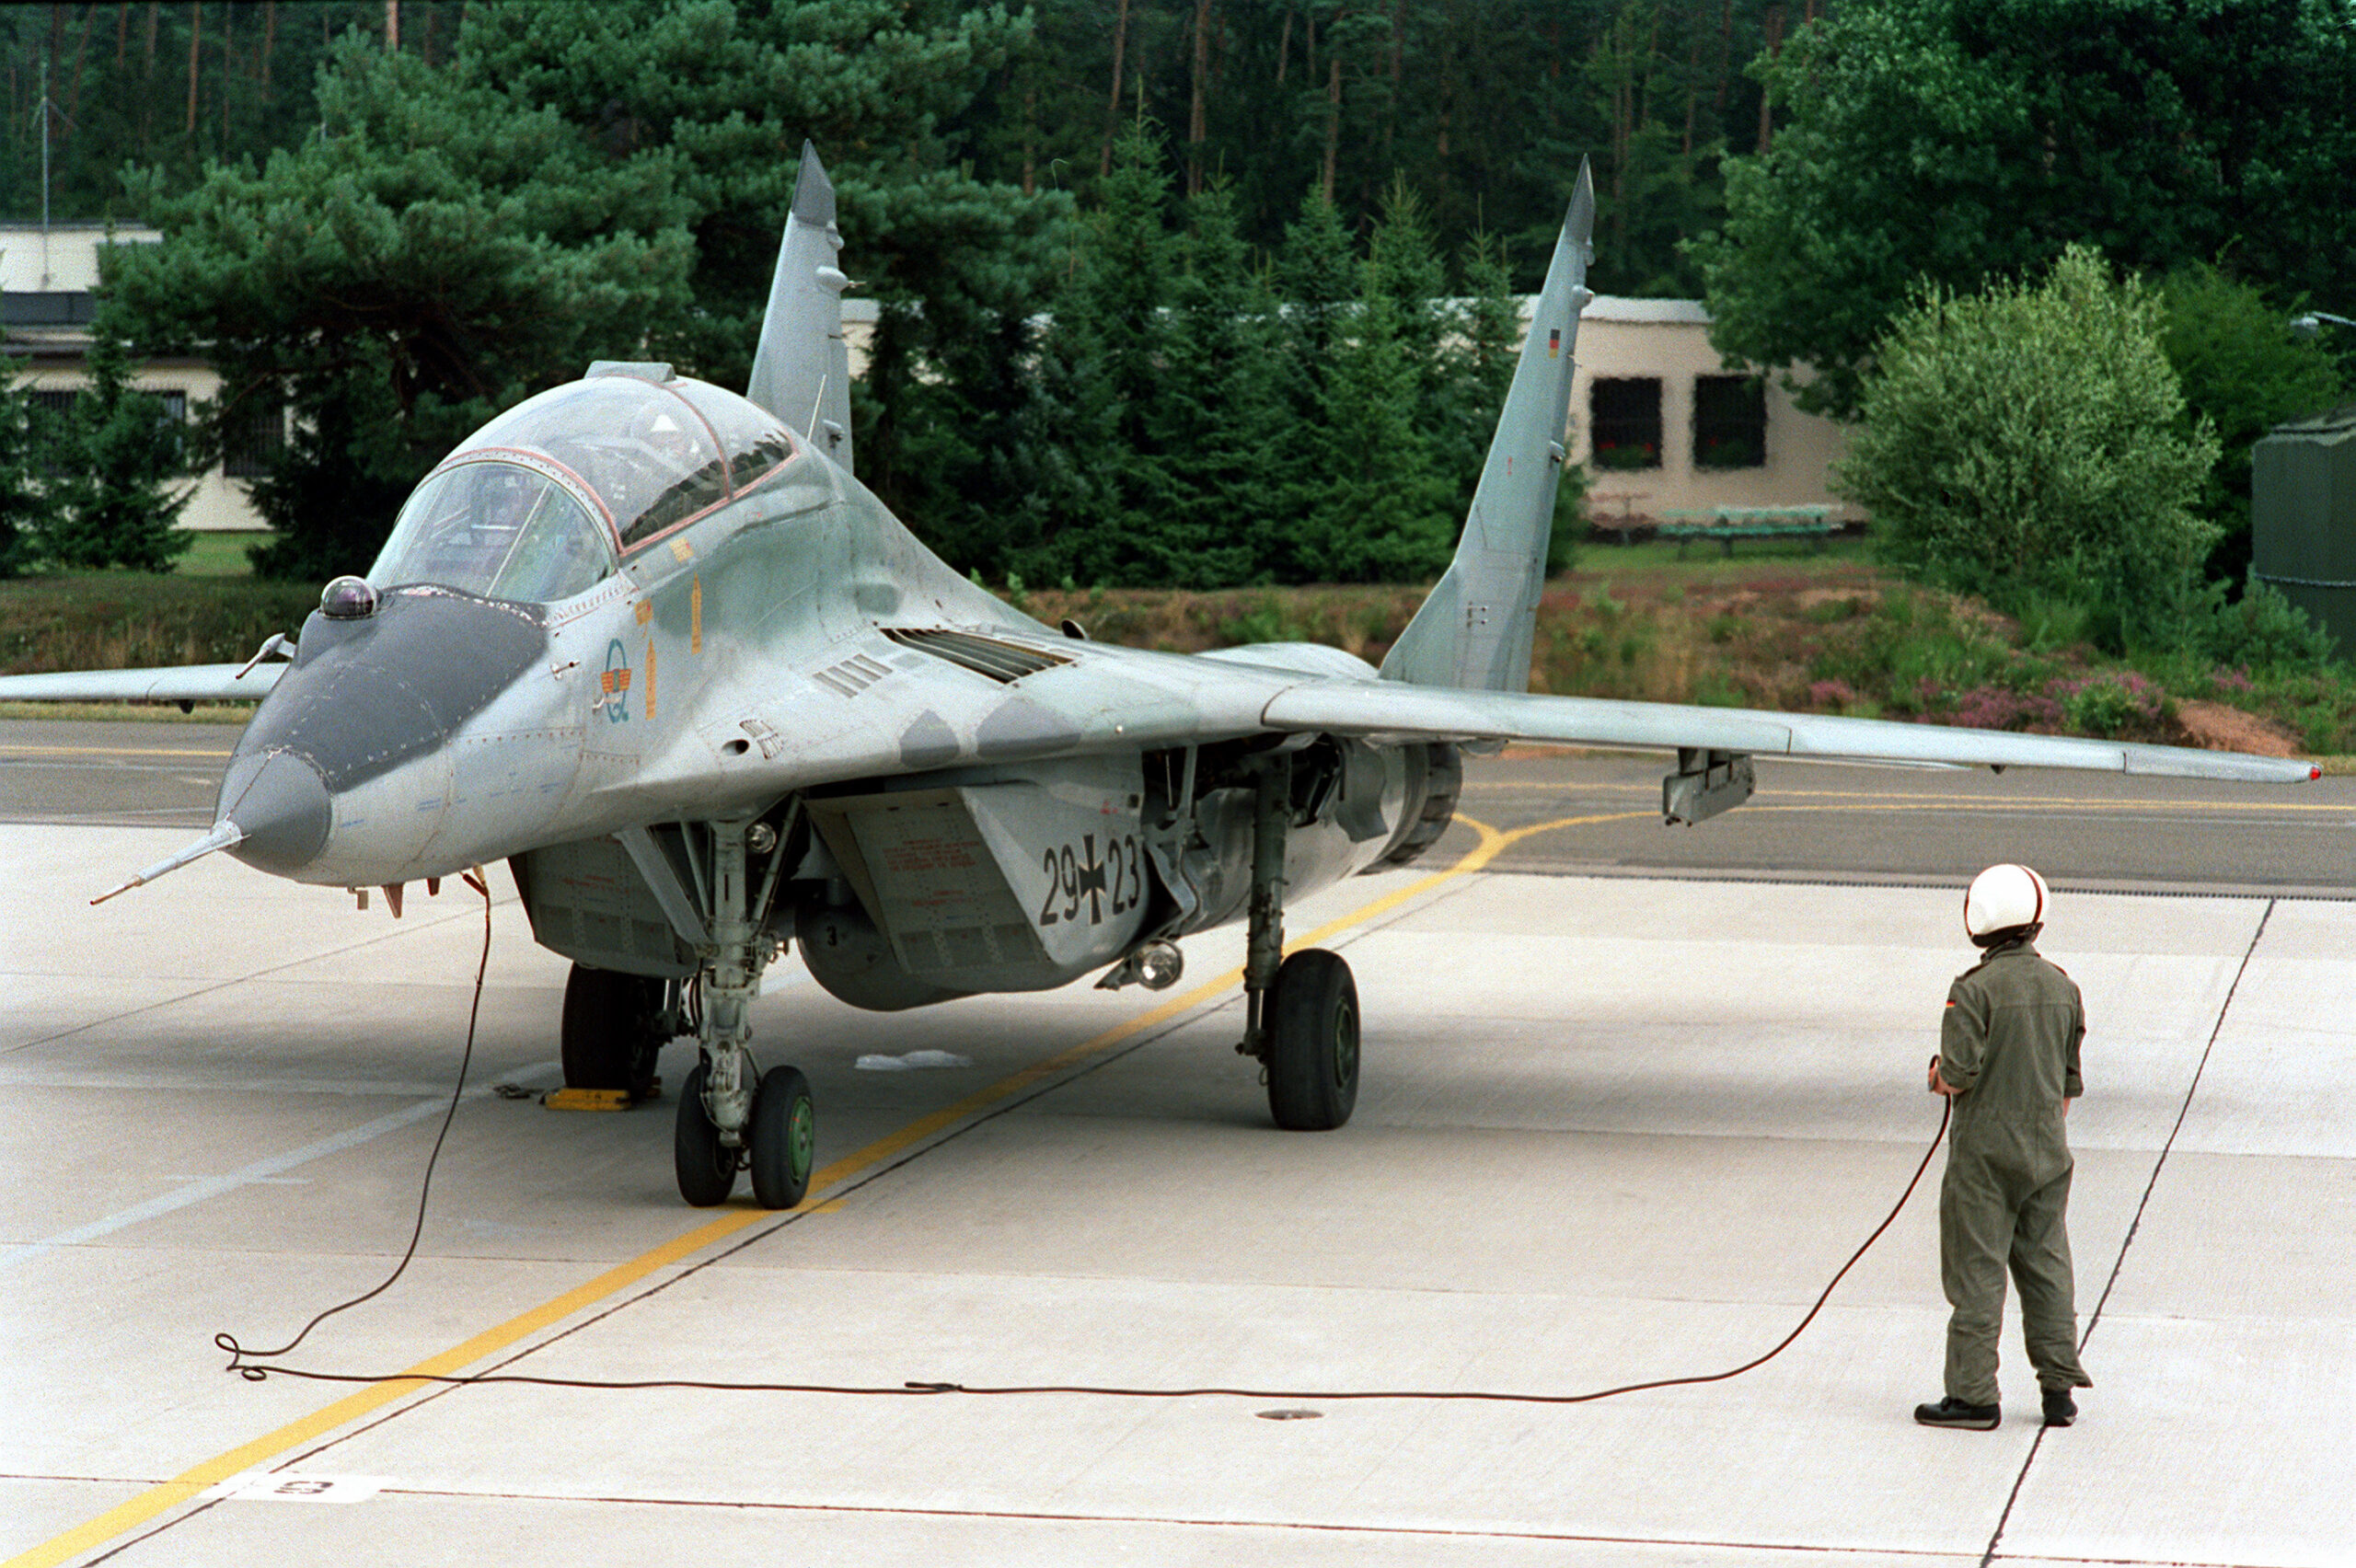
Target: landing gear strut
(732, 1115)
(1300, 1013)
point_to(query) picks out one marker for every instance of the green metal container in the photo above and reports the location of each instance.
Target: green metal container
(2303, 518)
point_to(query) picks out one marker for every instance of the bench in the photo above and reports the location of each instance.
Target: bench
(1725, 524)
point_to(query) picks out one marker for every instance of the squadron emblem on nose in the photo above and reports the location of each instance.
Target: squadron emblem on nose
(613, 684)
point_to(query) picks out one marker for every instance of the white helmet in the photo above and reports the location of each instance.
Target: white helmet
(2002, 897)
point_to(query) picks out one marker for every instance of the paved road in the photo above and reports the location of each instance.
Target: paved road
(1850, 823)
(1614, 1125)
(2088, 830)
(1610, 1130)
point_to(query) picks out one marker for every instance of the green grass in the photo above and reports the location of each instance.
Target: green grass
(1708, 562)
(1779, 626)
(219, 555)
(108, 620)
(133, 712)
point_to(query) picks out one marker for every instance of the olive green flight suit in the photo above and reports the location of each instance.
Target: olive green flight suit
(2010, 1043)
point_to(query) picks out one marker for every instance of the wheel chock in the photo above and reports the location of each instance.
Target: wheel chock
(595, 1099)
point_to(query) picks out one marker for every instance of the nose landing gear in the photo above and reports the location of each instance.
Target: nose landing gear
(732, 1115)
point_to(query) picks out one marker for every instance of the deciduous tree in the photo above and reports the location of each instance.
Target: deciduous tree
(2032, 441)
(1958, 141)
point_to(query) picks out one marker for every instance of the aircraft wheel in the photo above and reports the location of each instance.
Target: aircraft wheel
(707, 1167)
(784, 1136)
(611, 1035)
(1313, 1043)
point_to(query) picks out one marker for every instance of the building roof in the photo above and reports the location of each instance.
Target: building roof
(1647, 312)
(60, 259)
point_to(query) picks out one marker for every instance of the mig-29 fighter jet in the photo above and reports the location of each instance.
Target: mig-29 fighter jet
(651, 643)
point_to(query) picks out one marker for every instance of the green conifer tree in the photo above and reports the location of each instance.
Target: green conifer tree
(1106, 376)
(436, 253)
(1213, 420)
(114, 504)
(1316, 280)
(25, 505)
(1383, 515)
(1404, 268)
(1364, 498)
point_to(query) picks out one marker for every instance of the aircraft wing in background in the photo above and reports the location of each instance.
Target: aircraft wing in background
(187, 683)
(1716, 743)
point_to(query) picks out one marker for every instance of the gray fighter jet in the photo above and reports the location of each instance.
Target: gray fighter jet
(651, 643)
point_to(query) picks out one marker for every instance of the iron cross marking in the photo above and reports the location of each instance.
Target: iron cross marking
(1092, 878)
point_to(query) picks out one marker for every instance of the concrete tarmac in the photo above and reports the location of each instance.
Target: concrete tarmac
(1619, 1122)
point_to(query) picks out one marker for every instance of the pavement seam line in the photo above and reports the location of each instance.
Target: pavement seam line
(2119, 1264)
(190, 1483)
(425, 922)
(208, 1187)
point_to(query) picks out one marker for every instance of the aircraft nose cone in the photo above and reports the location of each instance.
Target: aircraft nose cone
(285, 811)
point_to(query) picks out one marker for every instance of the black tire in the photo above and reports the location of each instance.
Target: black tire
(707, 1167)
(784, 1137)
(612, 1033)
(1313, 1043)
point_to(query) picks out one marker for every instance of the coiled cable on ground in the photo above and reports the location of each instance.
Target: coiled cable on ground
(241, 1360)
(257, 1366)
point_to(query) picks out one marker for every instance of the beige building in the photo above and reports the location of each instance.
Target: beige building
(46, 276)
(1665, 430)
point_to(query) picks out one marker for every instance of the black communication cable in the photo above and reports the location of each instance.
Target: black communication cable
(922, 1389)
(239, 1356)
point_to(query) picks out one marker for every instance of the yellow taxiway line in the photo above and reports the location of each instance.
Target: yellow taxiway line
(108, 751)
(190, 1483)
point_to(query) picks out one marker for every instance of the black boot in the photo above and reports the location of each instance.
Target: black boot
(1953, 1412)
(2060, 1408)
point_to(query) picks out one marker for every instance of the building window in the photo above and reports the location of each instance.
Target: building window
(1729, 421)
(254, 441)
(1623, 422)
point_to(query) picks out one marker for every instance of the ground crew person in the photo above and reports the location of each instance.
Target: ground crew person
(2008, 1056)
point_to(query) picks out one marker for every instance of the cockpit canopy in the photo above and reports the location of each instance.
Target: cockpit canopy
(538, 504)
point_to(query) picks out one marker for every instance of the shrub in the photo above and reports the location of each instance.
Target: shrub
(2032, 440)
(2265, 630)
(2104, 704)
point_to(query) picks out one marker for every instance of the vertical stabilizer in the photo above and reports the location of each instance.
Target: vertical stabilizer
(1474, 632)
(801, 370)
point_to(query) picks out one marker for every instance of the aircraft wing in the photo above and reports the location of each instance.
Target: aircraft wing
(187, 683)
(1388, 709)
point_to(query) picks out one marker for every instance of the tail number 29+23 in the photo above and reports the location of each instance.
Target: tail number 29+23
(1075, 874)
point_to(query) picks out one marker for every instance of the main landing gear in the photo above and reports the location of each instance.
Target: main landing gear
(1300, 1013)
(615, 1028)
